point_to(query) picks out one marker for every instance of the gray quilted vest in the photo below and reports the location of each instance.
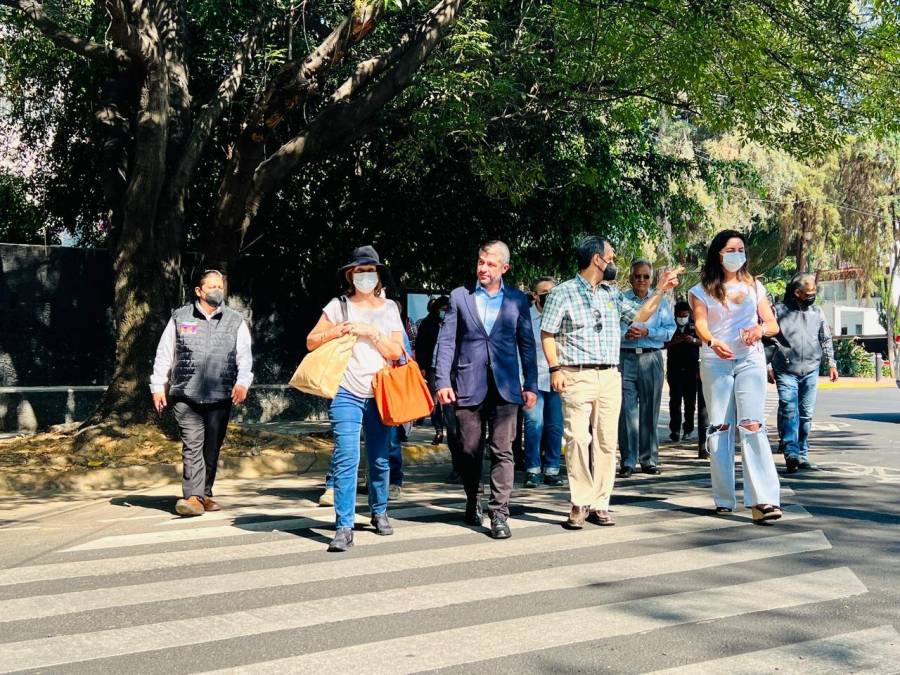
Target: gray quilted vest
(205, 367)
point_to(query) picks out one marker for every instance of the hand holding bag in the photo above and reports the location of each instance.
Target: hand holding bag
(321, 371)
(401, 393)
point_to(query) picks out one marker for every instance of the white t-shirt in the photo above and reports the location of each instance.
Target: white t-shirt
(727, 320)
(366, 360)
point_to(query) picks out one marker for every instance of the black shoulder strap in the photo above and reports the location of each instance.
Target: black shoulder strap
(344, 310)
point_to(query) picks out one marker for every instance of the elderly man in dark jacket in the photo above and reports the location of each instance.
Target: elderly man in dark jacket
(804, 340)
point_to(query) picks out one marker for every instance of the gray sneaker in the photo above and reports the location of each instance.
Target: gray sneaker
(343, 539)
(382, 524)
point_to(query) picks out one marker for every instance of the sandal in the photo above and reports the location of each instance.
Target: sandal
(764, 512)
(722, 510)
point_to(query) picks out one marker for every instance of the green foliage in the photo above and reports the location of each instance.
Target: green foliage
(854, 361)
(21, 221)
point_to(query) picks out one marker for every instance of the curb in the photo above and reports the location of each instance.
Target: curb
(131, 478)
(868, 384)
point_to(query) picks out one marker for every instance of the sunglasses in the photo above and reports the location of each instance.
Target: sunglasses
(641, 276)
(598, 326)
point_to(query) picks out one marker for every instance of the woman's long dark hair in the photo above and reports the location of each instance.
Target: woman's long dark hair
(713, 274)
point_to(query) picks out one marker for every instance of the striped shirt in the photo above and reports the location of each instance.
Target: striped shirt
(586, 321)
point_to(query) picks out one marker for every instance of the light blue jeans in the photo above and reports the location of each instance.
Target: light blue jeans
(544, 430)
(349, 414)
(796, 401)
(735, 392)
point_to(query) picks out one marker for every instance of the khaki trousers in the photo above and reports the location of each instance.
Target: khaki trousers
(591, 405)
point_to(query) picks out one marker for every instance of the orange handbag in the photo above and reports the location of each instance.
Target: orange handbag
(401, 393)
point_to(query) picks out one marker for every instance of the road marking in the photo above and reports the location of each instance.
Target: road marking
(56, 604)
(455, 647)
(875, 651)
(197, 531)
(45, 652)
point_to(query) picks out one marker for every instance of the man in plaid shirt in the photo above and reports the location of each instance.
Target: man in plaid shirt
(580, 334)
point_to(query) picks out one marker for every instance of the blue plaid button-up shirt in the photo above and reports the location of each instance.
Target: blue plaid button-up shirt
(661, 325)
(587, 321)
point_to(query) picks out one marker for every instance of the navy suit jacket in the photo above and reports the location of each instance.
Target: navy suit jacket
(465, 350)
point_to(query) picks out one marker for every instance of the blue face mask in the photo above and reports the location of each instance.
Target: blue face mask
(733, 260)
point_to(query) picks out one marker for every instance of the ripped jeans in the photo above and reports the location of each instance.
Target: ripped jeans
(735, 392)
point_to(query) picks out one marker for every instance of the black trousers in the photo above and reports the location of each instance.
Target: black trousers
(500, 417)
(202, 429)
(683, 386)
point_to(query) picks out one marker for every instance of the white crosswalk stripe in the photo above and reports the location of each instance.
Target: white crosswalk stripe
(875, 651)
(109, 601)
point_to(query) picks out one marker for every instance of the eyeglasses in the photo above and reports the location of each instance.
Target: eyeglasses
(641, 276)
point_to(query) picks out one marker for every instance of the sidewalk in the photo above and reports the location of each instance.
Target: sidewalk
(857, 383)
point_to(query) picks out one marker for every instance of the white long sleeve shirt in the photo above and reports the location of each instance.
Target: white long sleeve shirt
(165, 356)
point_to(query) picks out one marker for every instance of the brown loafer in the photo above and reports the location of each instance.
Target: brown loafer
(576, 517)
(192, 506)
(601, 518)
(211, 505)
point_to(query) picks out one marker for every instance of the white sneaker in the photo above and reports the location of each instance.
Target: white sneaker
(395, 492)
(327, 497)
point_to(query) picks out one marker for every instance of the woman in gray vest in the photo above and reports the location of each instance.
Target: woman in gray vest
(377, 325)
(205, 348)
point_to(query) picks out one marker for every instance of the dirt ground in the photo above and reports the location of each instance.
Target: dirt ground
(66, 448)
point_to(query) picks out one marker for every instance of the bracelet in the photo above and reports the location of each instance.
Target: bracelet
(554, 369)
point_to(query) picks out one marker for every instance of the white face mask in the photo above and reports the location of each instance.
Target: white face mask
(681, 320)
(733, 260)
(365, 282)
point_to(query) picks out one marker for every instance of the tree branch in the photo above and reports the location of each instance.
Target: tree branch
(346, 120)
(208, 117)
(34, 10)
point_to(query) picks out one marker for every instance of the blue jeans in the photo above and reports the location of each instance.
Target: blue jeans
(796, 401)
(735, 392)
(395, 456)
(348, 415)
(544, 431)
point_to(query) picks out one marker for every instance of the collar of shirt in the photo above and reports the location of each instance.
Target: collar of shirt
(481, 290)
(217, 310)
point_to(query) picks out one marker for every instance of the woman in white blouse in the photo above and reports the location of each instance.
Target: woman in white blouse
(379, 331)
(732, 315)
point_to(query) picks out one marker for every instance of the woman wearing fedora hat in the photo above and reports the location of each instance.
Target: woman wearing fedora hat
(379, 330)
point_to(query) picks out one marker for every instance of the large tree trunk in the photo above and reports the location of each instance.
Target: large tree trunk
(142, 294)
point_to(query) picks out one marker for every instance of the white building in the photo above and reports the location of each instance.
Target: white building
(849, 314)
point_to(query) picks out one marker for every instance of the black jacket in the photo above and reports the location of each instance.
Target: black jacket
(683, 357)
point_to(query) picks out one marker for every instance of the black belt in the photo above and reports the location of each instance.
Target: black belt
(640, 350)
(591, 366)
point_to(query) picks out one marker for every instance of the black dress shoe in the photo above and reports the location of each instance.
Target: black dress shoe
(553, 480)
(474, 513)
(702, 453)
(343, 539)
(499, 527)
(626, 472)
(655, 470)
(807, 466)
(792, 464)
(675, 437)
(381, 524)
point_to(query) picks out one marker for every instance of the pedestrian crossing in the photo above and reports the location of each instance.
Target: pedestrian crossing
(258, 594)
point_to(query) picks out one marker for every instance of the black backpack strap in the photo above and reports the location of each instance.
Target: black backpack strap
(344, 311)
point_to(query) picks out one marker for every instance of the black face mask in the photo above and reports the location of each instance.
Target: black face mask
(610, 272)
(808, 301)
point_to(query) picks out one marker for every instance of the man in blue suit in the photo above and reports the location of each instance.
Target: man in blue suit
(486, 334)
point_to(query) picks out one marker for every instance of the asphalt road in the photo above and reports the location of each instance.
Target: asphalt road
(115, 583)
